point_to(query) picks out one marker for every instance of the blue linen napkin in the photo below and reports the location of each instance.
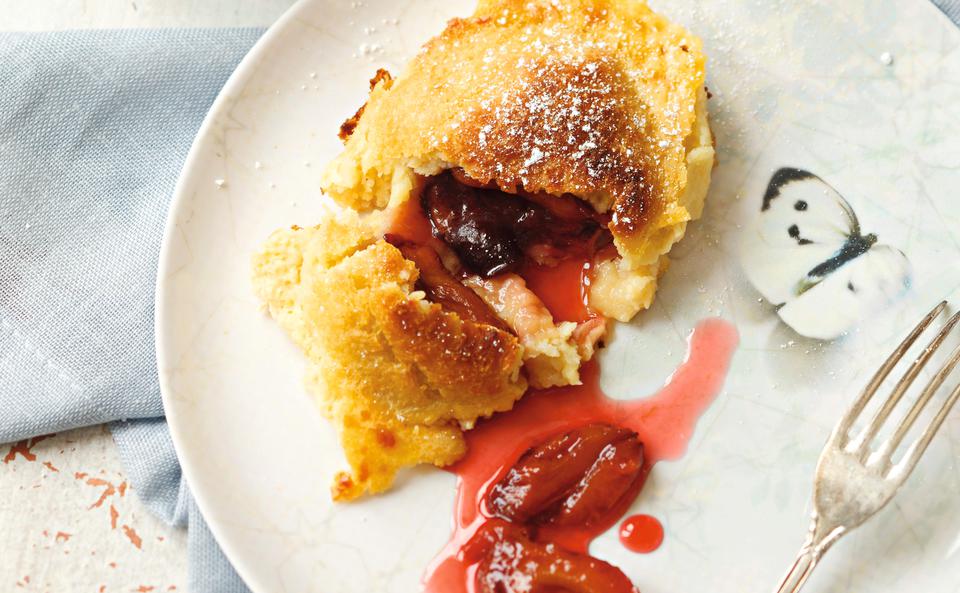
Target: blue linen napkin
(94, 127)
(951, 8)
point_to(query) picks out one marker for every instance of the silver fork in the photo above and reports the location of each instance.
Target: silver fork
(854, 481)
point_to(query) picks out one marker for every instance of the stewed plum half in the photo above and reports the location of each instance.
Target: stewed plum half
(573, 479)
(512, 562)
(492, 231)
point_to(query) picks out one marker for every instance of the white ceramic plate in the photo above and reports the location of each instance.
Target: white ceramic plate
(796, 83)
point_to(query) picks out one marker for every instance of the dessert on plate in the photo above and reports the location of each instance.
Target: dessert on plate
(518, 184)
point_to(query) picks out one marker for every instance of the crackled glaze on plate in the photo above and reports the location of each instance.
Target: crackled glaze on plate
(799, 84)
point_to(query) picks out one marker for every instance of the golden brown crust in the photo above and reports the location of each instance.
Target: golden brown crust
(375, 459)
(472, 367)
(381, 358)
(602, 99)
(590, 97)
(347, 127)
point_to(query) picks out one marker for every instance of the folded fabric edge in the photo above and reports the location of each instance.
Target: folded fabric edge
(147, 453)
(951, 8)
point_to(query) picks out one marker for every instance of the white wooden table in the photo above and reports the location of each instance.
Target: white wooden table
(69, 520)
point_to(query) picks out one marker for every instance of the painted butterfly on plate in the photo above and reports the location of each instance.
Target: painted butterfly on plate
(806, 254)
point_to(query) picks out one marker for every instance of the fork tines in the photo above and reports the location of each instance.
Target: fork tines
(883, 456)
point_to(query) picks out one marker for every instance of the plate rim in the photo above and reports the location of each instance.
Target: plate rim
(244, 69)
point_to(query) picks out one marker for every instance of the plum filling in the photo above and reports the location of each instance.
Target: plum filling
(442, 287)
(573, 480)
(475, 246)
(492, 231)
(514, 563)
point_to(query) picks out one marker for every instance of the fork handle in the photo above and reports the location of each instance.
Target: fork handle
(819, 540)
(803, 566)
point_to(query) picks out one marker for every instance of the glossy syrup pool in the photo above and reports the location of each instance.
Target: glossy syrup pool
(665, 421)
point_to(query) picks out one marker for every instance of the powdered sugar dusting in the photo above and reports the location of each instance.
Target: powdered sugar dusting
(561, 111)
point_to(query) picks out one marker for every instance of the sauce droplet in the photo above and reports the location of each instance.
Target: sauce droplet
(641, 533)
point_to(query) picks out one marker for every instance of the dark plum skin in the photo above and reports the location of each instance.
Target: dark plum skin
(471, 222)
(491, 231)
(573, 479)
(512, 562)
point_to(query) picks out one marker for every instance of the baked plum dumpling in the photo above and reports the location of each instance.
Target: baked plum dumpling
(533, 149)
